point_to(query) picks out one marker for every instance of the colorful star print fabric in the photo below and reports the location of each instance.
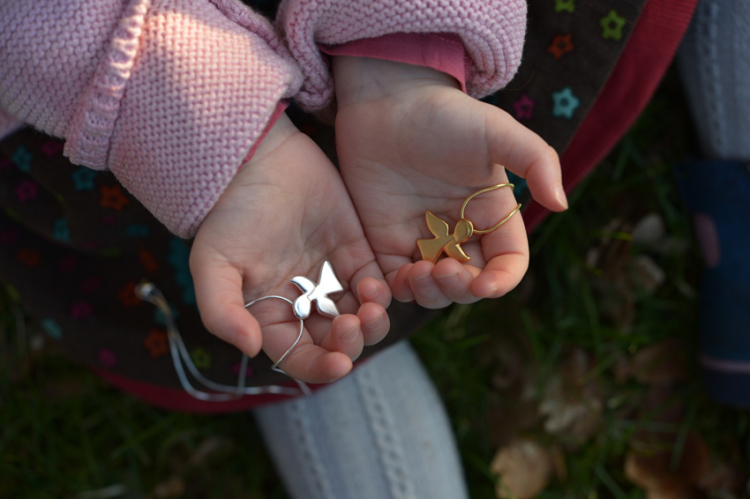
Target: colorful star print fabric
(74, 245)
(571, 48)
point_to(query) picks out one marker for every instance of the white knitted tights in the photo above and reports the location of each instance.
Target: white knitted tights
(380, 433)
(714, 63)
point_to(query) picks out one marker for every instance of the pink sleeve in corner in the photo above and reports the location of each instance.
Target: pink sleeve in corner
(168, 95)
(443, 52)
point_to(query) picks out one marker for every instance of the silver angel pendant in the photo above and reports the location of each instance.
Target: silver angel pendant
(318, 293)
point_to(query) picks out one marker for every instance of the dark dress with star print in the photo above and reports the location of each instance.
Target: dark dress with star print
(74, 244)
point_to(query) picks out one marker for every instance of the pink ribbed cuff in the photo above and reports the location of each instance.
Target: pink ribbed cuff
(280, 108)
(90, 131)
(443, 52)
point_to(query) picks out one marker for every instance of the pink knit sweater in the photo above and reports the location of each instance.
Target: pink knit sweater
(492, 32)
(171, 95)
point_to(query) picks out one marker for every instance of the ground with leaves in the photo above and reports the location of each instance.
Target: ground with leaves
(580, 384)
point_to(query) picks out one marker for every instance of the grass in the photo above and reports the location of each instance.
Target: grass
(578, 321)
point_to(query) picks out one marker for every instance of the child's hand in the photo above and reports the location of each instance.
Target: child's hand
(409, 140)
(284, 214)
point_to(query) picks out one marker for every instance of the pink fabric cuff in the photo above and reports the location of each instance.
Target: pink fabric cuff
(491, 31)
(443, 52)
(280, 108)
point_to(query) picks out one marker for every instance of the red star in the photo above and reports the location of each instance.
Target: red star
(113, 197)
(156, 343)
(561, 45)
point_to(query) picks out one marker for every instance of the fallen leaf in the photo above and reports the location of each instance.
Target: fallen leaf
(723, 480)
(208, 449)
(649, 230)
(647, 274)
(173, 486)
(571, 401)
(652, 471)
(663, 363)
(524, 467)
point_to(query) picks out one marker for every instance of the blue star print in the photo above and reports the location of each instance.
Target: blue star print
(53, 328)
(565, 103)
(61, 231)
(83, 178)
(22, 159)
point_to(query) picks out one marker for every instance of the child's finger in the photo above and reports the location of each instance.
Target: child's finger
(454, 280)
(307, 361)
(526, 154)
(312, 364)
(426, 291)
(218, 292)
(375, 296)
(399, 283)
(319, 326)
(345, 336)
(506, 252)
(372, 290)
(501, 274)
(375, 323)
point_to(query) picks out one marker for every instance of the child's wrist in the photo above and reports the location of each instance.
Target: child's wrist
(281, 130)
(359, 79)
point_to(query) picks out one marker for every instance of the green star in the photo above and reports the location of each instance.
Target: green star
(201, 358)
(612, 25)
(567, 5)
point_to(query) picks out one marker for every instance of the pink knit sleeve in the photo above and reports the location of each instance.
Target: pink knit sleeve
(170, 95)
(8, 124)
(492, 32)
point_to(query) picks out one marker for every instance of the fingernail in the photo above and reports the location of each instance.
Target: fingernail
(560, 196)
(447, 279)
(368, 289)
(375, 322)
(351, 335)
(491, 289)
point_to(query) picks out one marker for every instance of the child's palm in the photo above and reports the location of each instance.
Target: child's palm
(282, 216)
(427, 146)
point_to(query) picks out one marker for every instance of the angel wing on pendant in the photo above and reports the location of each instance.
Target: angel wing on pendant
(318, 293)
(431, 249)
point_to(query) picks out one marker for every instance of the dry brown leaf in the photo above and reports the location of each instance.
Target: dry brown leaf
(647, 274)
(656, 482)
(723, 479)
(649, 230)
(208, 449)
(524, 467)
(512, 365)
(653, 472)
(571, 402)
(173, 486)
(508, 420)
(568, 413)
(660, 364)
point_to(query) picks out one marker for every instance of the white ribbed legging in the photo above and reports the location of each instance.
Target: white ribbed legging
(379, 433)
(714, 64)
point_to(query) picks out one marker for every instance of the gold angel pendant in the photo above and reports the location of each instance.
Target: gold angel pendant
(444, 241)
(431, 249)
